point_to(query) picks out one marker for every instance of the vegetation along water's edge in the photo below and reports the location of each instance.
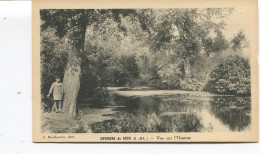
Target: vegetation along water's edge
(93, 50)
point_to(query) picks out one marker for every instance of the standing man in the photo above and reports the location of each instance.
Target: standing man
(57, 90)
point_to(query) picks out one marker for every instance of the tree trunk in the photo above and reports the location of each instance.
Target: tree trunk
(72, 75)
(71, 84)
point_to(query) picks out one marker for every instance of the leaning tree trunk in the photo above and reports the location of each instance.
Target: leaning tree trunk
(72, 75)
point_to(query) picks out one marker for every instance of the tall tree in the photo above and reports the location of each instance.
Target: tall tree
(71, 24)
(188, 32)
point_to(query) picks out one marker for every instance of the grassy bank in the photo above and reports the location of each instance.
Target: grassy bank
(60, 123)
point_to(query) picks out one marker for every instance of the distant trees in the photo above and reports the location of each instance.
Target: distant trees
(181, 39)
(238, 41)
(217, 44)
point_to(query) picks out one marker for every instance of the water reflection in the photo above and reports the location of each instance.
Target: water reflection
(176, 113)
(232, 111)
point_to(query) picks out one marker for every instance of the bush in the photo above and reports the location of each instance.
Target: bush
(231, 77)
(192, 83)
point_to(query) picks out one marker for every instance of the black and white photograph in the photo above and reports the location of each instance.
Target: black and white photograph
(145, 70)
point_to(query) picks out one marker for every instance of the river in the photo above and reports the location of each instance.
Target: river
(142, 110)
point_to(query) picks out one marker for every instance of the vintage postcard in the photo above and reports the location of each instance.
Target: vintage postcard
(145, 71)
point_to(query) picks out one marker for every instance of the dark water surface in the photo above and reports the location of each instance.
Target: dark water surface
(175, 111)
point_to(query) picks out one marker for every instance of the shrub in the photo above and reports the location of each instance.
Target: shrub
(231, 77)
(192, 83)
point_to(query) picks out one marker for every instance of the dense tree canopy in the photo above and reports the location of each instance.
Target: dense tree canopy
(162, 48)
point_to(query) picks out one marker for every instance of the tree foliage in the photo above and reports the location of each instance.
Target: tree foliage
(238, 41)
(162, 48)
(231, 77)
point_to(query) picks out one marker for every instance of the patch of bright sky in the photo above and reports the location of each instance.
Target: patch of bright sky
(235, 23)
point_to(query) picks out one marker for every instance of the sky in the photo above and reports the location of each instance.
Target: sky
(236, 22)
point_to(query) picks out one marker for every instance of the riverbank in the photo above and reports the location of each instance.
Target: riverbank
(60, 123)
(150, 91)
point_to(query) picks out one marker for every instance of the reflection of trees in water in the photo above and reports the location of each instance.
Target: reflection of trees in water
(153, 123)
(139, 105)
(155, 104)
(175, 114)
(174, 104)
(232, 111)
(182, 123)
(145, 114)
